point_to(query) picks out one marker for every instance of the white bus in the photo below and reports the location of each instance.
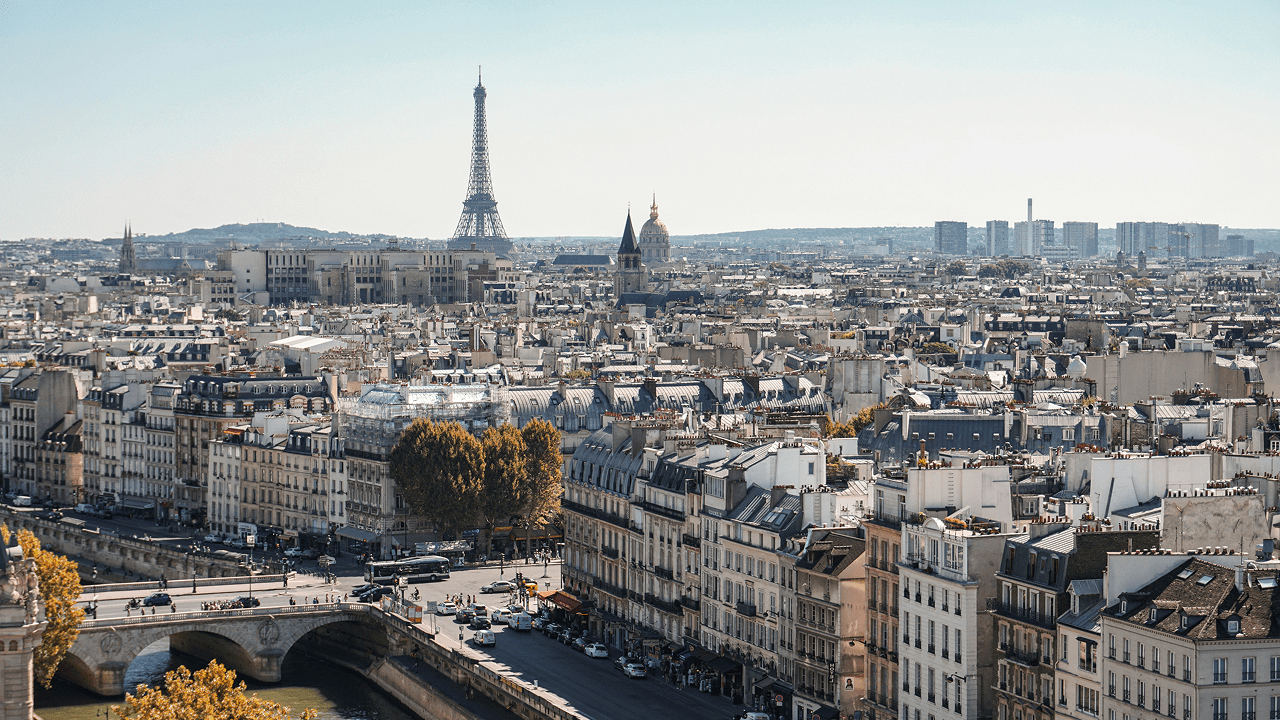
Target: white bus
(414, 569)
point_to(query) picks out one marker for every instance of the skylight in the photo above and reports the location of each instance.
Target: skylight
(1185, 574)
(1204, 580)
(1266, 582)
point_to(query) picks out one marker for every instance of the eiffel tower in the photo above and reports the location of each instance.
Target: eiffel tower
(480, 224)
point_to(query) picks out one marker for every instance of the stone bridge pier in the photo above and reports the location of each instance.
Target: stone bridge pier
(251, 642)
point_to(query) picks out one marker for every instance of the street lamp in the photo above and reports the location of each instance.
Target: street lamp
(250, 540)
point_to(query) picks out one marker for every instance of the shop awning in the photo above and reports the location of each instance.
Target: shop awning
(347, 531)
(138, 504)
(823, 713)
(724, 665)
(561, 599)
(765, 684)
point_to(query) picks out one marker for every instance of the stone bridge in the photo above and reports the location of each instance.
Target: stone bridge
(253, 642)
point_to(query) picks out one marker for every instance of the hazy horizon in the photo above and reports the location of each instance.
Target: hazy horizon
(739, 116)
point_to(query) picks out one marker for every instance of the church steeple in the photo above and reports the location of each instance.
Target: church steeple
(128, 263)
(631, 275)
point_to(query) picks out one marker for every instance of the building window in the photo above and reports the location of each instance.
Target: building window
(1220, 672)
(1219, 709)
(1247, 670)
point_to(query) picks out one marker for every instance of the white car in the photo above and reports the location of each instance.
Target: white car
(499, 586)
(484, 638)
(634, 670)
(500, 617)
(293, 552)
(446, 608)
(212, 539)
(596, 650)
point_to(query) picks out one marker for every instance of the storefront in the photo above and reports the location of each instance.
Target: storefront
(357, 541)
(772, 696)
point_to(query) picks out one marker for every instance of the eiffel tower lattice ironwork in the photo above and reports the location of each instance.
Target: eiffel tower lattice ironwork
(480, 223)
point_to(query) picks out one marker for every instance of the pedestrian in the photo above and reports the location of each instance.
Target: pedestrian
(291, 602)
(173, 607)
(126, 611)
(153, 609)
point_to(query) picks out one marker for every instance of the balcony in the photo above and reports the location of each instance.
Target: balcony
(581, 509)
(692, 541)
(610, 588)
(691, 604)
(670, 606)
(664, 573)
(1013, 612)
(1022, 657)
(609, 552)
(657, 509)
(745, 609)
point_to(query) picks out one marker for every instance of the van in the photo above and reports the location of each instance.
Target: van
(22, 501)
(521, 621)
(484, 638)
(84, 509)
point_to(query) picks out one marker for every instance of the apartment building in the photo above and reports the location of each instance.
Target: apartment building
(1033, 581)
(830, 595)
(209, 404)
(948, 571)
(1190, 636)
(159, 451)
(1079, 686)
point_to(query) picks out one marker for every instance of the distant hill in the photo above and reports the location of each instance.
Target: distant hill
(255, 233)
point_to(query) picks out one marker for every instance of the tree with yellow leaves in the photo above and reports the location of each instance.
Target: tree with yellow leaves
(208, 694)
(59, 591)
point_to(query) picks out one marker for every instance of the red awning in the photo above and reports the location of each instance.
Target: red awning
(561, 599)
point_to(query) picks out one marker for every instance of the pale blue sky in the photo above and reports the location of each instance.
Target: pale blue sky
(357, 116)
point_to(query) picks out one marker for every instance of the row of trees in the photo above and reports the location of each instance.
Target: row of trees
(853, 426)
(456, 480)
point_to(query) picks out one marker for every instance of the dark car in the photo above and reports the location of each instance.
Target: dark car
(567, 636)
(621, 661)
(362, 589)
(480, 622)
(375, 594)
(551, 630)
(157, 599)
(245, 601)
(579, 643)
(49, 515)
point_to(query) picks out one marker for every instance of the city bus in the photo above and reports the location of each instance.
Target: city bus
(414, 569)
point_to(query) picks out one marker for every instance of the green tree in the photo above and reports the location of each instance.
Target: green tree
(542, 496)
(208, 694)
(936, 348)
(505, 469)
(440, 469)
(854, 425)
(59, 591)
(956, 268)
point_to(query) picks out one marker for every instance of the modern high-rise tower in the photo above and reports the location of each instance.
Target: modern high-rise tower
(480, 225)
(950, 238)
(128, 262)
(997, 237)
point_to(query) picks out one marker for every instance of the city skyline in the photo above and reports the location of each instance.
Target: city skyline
(822, 116)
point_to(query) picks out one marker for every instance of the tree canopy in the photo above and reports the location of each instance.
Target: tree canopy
(505, 475)
(439, 467)
(542, 498)
(956, 267)
(208, 694)
(1007, 269)
(853, 426)
(59, 591)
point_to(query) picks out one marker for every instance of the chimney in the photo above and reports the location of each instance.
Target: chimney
(1240, 577)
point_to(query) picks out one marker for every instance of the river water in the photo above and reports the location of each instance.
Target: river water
(337, 693)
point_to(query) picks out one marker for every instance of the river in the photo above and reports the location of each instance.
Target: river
(337, 693)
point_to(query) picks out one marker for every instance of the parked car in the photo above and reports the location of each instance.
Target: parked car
(104, 513)
(484, 638)
(293, 552)
(566, 636)
(551, 630)
(500, 586)
(480, 622)
(621, 661)
(446, 608)
(157, 599)
(634, 670)
(596, 650)
(236, 544)
(213, 538)
(579, 643)
(500, 617)
(246, 601)
(537, 622)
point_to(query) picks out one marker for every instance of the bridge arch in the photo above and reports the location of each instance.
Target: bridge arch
(253, 643)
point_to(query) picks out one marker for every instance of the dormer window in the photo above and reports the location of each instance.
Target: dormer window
(1233, 627)
(1152, 616)
(1186, 622)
